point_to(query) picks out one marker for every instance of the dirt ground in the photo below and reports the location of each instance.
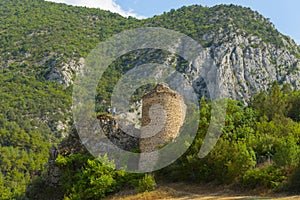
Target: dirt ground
(181, 191)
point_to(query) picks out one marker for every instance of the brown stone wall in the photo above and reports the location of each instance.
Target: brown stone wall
(172, 113)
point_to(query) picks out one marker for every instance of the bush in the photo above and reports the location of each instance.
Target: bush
(293, 183)
(146, 184)
(228, 161)
(287, 152)
(89, 178)
(267, 177)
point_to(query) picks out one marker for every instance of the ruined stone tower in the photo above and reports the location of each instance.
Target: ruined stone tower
(163, 113)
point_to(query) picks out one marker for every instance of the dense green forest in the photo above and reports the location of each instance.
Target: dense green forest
(259, 146)
(259, 149)
(36, 36)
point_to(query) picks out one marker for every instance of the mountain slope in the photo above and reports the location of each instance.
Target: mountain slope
(43, 44)
(36, 39)
(53, 37)
(247, 49)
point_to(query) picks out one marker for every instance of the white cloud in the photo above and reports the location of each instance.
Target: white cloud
(110, 5)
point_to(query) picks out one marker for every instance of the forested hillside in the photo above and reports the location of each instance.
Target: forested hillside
(44, 44)
(258, 151)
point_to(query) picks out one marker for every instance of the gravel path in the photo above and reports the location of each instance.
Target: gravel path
(181, 191)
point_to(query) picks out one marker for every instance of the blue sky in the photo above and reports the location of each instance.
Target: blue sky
(284, 14)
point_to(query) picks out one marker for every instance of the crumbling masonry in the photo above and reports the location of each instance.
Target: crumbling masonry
(163, 113)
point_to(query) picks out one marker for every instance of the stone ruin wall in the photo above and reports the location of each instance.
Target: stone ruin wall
(174, 111)
(173, 108)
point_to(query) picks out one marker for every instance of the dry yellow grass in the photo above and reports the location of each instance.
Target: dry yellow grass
(182, 191)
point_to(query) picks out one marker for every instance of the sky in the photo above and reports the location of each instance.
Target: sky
(285, 14)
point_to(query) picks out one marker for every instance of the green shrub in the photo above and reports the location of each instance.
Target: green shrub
(146, 184)
(88, 178)
(293, 183)
(228, 161)
(287, 152)
(267, 177)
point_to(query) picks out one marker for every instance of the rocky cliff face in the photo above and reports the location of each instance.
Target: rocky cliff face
(246, 65)
(64, 72)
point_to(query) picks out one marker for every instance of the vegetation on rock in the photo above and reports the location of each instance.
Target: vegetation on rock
(41, 41)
